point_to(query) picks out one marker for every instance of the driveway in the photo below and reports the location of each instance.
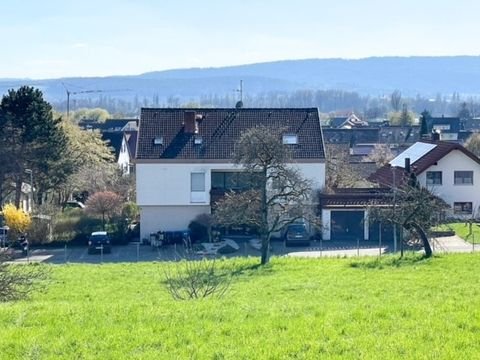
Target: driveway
(453, 244)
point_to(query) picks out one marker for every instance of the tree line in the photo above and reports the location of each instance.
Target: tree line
(326, 101)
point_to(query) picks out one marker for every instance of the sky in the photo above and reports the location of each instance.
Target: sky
(62, 38)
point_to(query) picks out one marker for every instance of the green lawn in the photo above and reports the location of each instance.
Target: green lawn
(462, 229)
(292, 308)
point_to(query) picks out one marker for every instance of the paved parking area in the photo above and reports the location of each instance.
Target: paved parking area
(135, 252)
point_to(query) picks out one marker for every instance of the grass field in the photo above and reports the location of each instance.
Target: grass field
(292, 308)
(462, 229)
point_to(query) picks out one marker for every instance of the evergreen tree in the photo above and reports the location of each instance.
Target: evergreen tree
(30, 138)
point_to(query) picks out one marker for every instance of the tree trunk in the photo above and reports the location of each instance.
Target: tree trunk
(265, 249)
(18, 191)
(103, 221)
(424, 238)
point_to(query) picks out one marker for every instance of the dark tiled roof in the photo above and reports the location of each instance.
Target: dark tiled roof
(219, 129)
(385, 175)
(389, 176)
(355, 197)
(351, 136)
(131, 137)
(399, 134)
(110, 125)
(114, 140)
(452, 122)
(336, 122)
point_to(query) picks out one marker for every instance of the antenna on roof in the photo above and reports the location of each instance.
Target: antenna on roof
(239, 103)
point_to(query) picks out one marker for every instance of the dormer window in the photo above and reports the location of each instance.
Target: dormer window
(158, 140)
(198, 140)
(290, 139)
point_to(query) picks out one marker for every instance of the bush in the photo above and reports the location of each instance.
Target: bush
(196, 279)
(74, 225)
(17, 220)
(198, 232)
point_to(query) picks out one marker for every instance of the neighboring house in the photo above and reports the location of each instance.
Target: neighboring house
(348, 122)
(448, 169)
(447, 127)
(120, 135)
(183, 159)
(110, 125)
(26, 199)
(126, 155)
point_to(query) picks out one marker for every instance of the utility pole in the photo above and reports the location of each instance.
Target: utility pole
(84, 92)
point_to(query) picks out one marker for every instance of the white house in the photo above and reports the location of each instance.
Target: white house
(126, 154)
(447, 169)
(183, 160)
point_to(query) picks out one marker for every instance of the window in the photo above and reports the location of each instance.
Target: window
(434, 178)
(290, 139)
(158, 140)
(462, 208)
(463, 177)
(232, 180)
(198, 182)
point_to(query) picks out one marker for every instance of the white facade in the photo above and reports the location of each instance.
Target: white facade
(169, 196)
(453, 193)
(124, 160)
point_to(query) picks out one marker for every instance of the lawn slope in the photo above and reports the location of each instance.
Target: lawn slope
(292, 308)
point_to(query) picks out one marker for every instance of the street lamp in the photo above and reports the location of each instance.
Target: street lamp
(30, 171)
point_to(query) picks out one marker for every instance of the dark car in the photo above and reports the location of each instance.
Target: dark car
(296, 234)
(99, 240)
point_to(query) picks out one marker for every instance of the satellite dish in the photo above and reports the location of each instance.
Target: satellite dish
(239, 104)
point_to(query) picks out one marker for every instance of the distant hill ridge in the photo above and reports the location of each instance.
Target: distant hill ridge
(426, 75)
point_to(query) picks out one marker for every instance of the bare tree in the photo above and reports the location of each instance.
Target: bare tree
(381, 155)
(412, 207)
(396, 100)
(196, 279)
(473, 143)
(105, 203)
(281, 195)
(18, 281)
(340, 172)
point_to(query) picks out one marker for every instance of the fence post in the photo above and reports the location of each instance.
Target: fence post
(101, 253)
(65, 254)
(358, 246)
(379, 239)
(138, 252)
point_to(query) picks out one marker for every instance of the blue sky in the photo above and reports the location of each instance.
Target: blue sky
(42, 39)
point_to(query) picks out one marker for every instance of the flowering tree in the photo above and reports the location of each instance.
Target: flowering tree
(16, 219)
(105, 204)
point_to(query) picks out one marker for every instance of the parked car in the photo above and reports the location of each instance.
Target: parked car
(296, 234)
(99, 240)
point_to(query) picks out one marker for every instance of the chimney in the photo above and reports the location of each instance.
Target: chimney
(189, 122)
(407, 165)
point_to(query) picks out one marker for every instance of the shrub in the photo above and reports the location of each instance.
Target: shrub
(196, 279)
(75, 225)
(16, 219)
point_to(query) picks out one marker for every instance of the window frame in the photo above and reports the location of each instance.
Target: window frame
(198, 173)
(431, 181)
(458, 172)
(462, 211)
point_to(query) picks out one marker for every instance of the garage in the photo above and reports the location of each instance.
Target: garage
(347, 225)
